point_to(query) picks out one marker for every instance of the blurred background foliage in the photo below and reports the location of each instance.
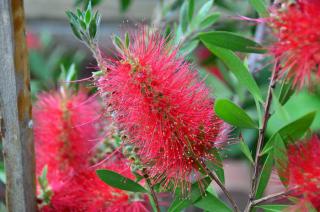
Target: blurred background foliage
(52, 56)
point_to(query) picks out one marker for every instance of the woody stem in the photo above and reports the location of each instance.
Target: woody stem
(271, 197)
(220, 184)
(267, 106)
(152, 192)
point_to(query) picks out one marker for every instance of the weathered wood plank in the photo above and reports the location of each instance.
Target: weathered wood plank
(15, 109)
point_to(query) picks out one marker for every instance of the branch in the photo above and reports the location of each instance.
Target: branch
(272, 197)
(223, 188)
(152, 192)
(257, 165)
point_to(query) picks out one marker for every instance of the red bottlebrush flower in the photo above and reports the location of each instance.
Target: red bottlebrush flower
(297, 27)
(33, 41)
(64, 132)
(86, 192)
(303, 170)
(158, 102)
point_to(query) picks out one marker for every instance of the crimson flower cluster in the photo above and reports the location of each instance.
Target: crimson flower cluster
(158, 102)
(303, 171)
(66, 132)
(297, 27)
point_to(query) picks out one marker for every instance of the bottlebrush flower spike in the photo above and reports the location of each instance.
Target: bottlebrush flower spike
(303, 171)
(84, 191)
(33, 41)
(65, 132)
(297, 27)
(159, 103)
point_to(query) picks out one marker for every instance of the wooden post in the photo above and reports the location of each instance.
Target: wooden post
(15, 109)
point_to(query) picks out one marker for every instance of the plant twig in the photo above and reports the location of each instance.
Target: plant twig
(220, 184)
(267, 106)
(152, 192)
(271, 197)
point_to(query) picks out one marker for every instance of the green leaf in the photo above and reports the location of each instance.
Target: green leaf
(184, 16)
(217, 165)
(127, 40)
(212, 204)
(74, 23)
(260, 7)
(83, 25)
(232, 41)
(264, 176)
(246, 151)
(286, 92)
(124, 5)
(209, 20)
(79, 12)
(93, 29)
(75, 31)
(71, 73)
(221, 90)
(280, 157)
(189, 47)
(88, 14)
(2, 173)
(118, 43)
(278, 107)
(179, 204)
(292, 131)
(118, 181)
(190, 9)
(233, 114)
(272, 208)
(201, 15)
(238, 69)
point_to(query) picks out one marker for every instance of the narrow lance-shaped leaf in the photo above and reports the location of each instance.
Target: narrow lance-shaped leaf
(272, 208)
(237, 67)
(184, 16)
(286, 92)
(279, 108)
(246, 151)
(179, 203)
(93, 29)
(118, 181)
(280, 158)
(190, 10)
(211, 203)
(127, 40)
(260, 7)
(118, 43)
(292, 131)
(189, 47)
(232, 41)
(124, 5)
(209, 20)
(264, 176)
(201, 15)
(88, 14)
(217, 165)
(233, 114)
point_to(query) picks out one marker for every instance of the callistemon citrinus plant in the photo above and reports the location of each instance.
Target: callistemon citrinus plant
(169, 125)
(84, 191)
(67, 130)
(296, 26)
(303, 170)
(157, 100)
